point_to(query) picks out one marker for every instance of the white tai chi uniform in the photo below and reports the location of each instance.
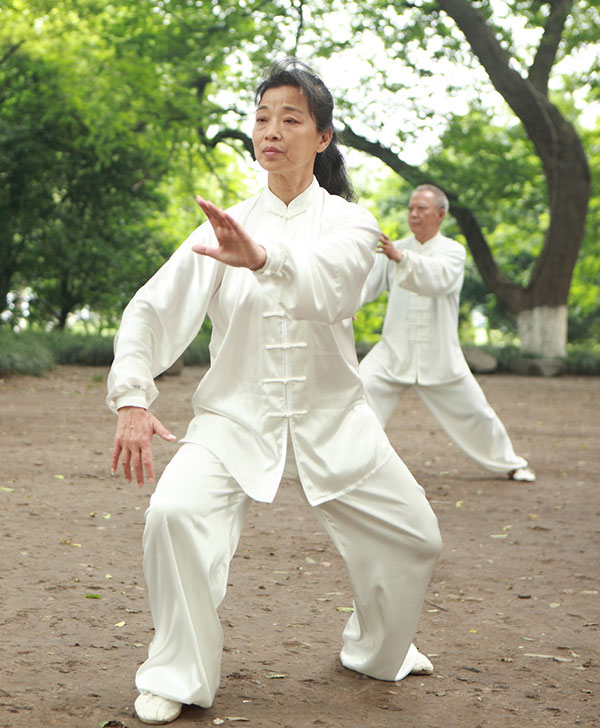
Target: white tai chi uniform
(282, 392)
(419, 347)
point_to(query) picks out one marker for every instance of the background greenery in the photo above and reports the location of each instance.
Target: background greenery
(112, 117)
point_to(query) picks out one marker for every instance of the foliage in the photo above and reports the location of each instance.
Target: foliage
(34, 352)
(582, 359)
(104, 121)
(23, 354)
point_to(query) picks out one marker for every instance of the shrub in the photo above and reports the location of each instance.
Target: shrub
(24, 354)
(583, 360)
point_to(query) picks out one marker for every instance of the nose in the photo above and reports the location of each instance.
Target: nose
(272, 130)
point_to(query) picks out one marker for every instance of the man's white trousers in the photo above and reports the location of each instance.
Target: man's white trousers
(384, 529)
(461, 409)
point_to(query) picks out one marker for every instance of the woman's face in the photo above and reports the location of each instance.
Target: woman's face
(285, 136)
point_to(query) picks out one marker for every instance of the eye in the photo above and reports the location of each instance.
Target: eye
(291, 121)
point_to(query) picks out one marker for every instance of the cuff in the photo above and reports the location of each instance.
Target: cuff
(273, 263)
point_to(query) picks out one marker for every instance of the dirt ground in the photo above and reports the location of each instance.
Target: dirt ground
(511, 621)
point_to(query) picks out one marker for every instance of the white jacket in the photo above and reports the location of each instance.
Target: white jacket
(282, 347)
(419, 341)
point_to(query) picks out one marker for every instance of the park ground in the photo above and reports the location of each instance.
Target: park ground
(512, 615)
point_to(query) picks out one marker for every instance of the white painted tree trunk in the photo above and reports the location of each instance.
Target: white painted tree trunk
(543, 330)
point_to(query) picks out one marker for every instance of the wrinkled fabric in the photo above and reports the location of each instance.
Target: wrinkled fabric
(419, 347)
(384, 530)
(282, 348)
(419, 340)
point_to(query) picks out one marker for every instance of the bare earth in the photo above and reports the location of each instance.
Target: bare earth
(511, 622)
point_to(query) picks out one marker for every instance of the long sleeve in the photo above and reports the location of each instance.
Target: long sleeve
(419, 340)
(320, 278)
(378, 280)
(160, 322)
(432, 276)
(283, 359)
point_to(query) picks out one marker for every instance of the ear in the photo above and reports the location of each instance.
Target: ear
(324, 140)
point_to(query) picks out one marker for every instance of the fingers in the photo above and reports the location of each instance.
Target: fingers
(162, 431)
(214, 214)
(133, 444)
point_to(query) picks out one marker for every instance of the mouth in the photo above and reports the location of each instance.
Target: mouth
(271, 151)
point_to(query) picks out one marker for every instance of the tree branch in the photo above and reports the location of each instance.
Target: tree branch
(545, 57)
(507, 292)
(13, 49)
(224, 135)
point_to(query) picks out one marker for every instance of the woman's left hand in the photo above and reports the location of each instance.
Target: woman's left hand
(236, 247)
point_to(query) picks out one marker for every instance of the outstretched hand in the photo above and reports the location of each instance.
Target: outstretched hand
(133, 443)
(387, 247)
(236, 247)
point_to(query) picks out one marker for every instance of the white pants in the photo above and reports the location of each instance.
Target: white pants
(461, 409)
(385, 531)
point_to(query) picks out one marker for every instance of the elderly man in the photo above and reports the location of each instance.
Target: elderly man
(419, 344)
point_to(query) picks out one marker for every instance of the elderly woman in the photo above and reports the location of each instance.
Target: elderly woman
(280, 276)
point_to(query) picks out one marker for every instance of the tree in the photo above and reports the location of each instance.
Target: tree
(540, 305)
(101, 109)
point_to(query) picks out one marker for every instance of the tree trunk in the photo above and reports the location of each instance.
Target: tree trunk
(543, 330)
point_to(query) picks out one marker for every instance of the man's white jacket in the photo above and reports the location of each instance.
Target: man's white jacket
(419, 340)
(282, 348)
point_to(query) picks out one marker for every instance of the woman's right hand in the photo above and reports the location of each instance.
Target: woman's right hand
(133, 443)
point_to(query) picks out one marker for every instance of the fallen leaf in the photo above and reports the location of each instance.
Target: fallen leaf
(498, 535)
(554, 605)
(4, 489)
(344, 609)
(275, 675)
(93, 596)
(458, 504)
(59, 477)
(120, 624)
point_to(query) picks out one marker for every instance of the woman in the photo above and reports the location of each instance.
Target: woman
(280, 276)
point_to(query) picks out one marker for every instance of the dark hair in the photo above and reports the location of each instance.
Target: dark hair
(330, 166)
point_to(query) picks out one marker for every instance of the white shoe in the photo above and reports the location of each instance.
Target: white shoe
(525, 474)
(154, 710)
(422, 665)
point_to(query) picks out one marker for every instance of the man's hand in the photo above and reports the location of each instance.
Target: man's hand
(133, 443)
(388, 248)
(236, 247)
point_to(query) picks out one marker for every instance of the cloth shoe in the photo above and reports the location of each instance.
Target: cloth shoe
(422, 665)
(525, 474)
(154, 710)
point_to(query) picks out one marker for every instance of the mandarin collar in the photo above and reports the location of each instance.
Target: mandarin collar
(297, 205)
(428, 243)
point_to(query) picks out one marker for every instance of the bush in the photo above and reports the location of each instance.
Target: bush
(33, 353)
(197, 353)
(583, 360)
(24, 354)
(89, 349)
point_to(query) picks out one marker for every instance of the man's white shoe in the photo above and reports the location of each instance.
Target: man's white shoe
(154, 710)
(524, 474)
(422, 665)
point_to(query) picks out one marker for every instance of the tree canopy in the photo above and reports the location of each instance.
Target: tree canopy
(112, 116)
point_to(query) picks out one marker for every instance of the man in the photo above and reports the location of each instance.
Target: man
(419, 344)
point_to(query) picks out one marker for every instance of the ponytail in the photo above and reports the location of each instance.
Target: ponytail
(330, 166)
